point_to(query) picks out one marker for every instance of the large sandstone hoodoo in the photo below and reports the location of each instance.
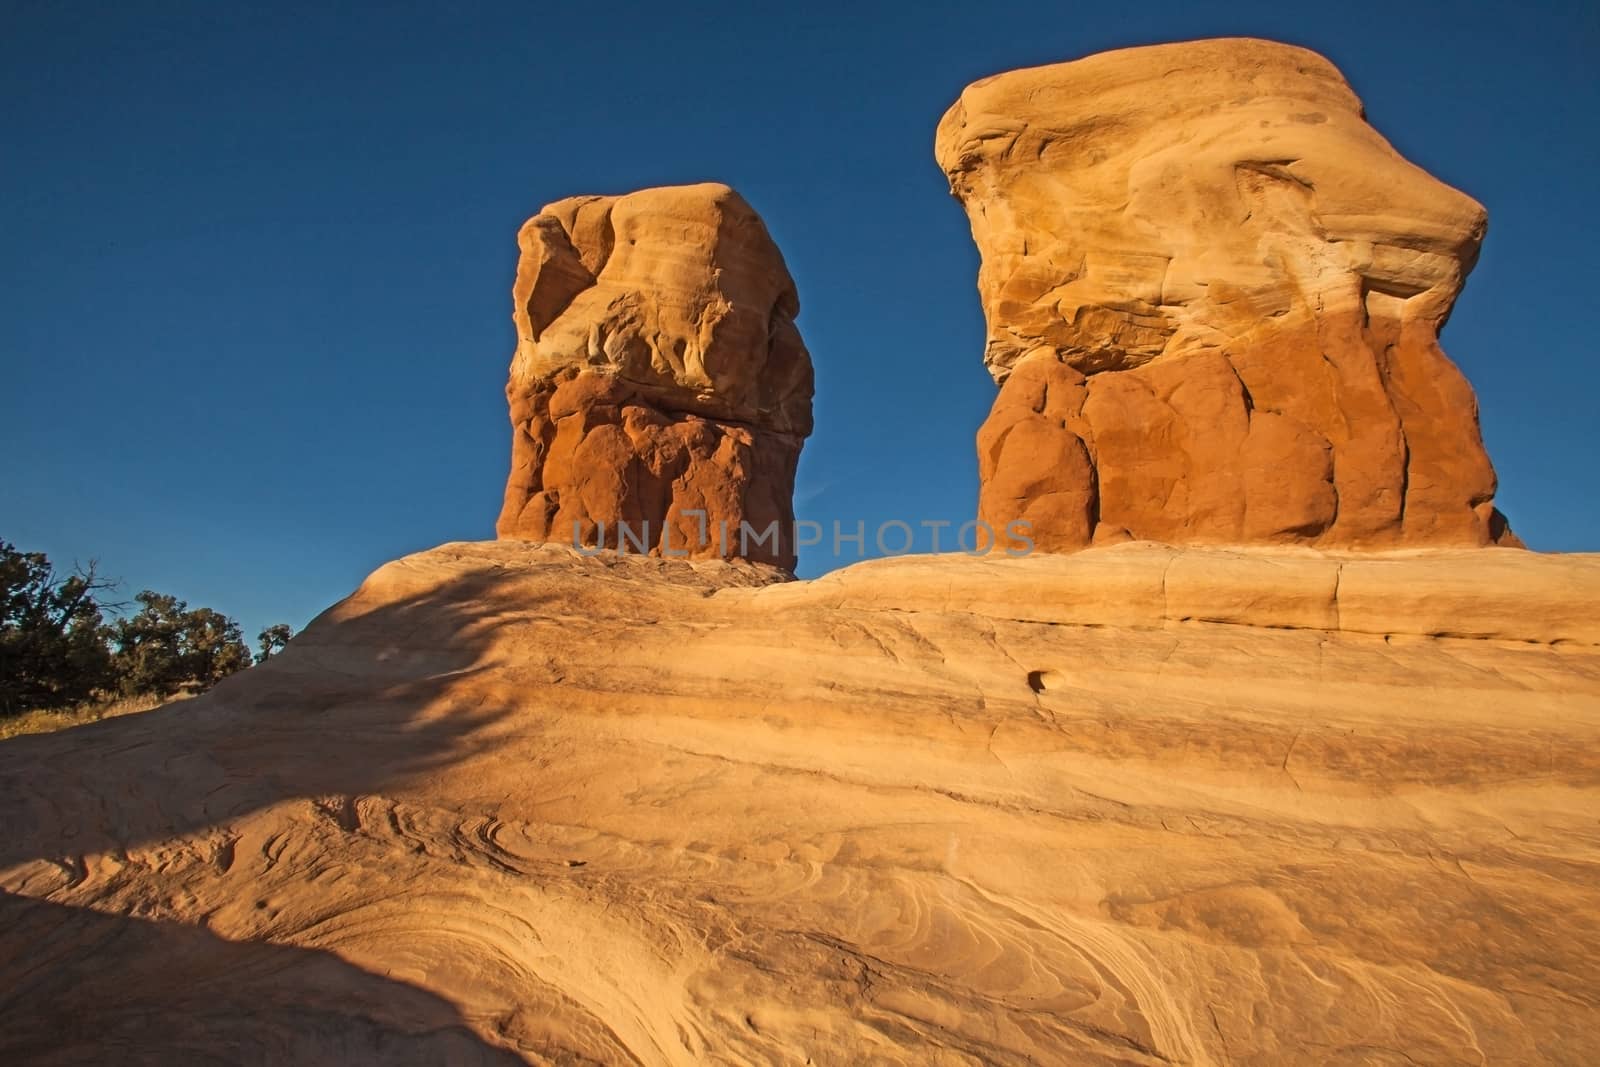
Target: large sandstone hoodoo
(1213, 296)
(660, 392)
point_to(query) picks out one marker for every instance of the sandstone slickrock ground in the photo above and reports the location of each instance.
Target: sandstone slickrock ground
(658, 371)
(1136, 805)
(1213, 295)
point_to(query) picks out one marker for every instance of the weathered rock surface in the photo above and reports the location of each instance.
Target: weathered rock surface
(1134, 805)
(658, 373)
(1213, 296)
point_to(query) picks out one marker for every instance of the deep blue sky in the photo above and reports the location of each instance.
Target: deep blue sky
(255, 260)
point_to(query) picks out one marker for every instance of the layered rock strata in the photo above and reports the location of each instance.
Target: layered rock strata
(1213, 296)
(1134, 805)
(660, 392)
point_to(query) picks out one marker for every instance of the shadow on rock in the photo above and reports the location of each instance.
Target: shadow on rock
(83, 987)
(377, 691)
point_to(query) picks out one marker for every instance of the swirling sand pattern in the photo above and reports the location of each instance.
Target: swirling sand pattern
(508, 804)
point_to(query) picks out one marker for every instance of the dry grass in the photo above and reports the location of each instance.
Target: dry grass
(52, 719)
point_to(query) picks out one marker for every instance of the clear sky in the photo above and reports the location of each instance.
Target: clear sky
(255, 259)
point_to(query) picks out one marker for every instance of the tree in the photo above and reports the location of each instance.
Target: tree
(215, 647)
(166, 647)
(52, 635)
(273, 640)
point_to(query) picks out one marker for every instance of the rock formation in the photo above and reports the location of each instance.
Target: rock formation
(660, 392)
(1213, 296)
(516, 803)
(1134, 805)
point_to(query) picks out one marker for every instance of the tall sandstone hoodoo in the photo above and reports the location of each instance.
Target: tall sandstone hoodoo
(660, 392)
(1213, 296)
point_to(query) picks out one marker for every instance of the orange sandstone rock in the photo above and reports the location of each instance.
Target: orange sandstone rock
(1140, 804)
(660, 392)
(1213, 296)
